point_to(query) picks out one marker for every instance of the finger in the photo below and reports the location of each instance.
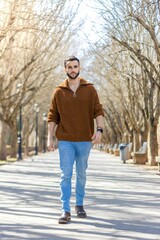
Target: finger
(94, 141)
(50, 148)
(93, 136)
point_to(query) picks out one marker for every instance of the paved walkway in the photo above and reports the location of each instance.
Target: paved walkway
(122, 201)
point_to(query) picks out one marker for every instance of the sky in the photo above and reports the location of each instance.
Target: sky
(92, 20)
(88, 12)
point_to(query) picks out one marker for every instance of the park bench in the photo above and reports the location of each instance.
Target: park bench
(129, 150)
(107, 147)
(140, 157)
(116, 152)
(158, 162)
(111, 150)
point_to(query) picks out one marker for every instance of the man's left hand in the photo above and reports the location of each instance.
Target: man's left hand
(97, 137)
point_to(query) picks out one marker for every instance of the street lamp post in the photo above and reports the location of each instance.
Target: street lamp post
(19, 138)
(44, 131)
(36, 142)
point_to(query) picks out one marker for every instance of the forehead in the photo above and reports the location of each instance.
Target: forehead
(72, 63)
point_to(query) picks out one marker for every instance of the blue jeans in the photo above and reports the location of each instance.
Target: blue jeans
(71, 152)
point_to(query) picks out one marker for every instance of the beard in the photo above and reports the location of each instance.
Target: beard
(73, 77)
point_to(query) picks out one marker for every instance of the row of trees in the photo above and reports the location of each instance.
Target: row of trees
(34, 35)
(125, 62)
(126, 66)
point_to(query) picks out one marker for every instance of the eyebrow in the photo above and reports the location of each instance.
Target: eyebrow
(73, 66)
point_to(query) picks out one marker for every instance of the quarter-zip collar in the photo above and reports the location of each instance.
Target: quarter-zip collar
(65, 84)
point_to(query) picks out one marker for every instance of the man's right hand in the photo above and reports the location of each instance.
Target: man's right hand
(50, 145)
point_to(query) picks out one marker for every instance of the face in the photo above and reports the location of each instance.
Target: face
(72, 69)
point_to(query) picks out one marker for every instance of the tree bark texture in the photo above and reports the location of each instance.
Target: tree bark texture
(3, 134)
(152, 144)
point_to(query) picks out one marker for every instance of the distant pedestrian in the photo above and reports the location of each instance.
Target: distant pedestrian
(74, 106)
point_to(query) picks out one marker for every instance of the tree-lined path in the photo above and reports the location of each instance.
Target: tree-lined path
(122, 201)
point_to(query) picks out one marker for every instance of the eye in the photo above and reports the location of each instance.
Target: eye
(76, 66)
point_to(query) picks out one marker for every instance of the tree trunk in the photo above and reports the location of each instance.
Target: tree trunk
(125, 138)
(144, 135)
(3, 134)
(136, 141)
(26, 137)
(14, 142)
(130, 136)
(152, 144)
(26, 150)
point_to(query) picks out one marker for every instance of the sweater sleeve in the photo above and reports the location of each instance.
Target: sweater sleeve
(98, 110)
(53, 115)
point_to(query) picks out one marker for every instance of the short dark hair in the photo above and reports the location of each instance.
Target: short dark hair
(71, 58)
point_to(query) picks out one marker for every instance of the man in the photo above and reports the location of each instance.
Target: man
(74, 106)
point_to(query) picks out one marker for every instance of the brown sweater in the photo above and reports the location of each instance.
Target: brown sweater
(75, 115)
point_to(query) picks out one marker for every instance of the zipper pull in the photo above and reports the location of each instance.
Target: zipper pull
(74, 94)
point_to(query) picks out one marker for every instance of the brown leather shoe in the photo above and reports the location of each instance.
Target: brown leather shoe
(80, 212)
(65, 218)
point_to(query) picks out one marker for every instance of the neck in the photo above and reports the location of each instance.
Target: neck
(73, 82)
